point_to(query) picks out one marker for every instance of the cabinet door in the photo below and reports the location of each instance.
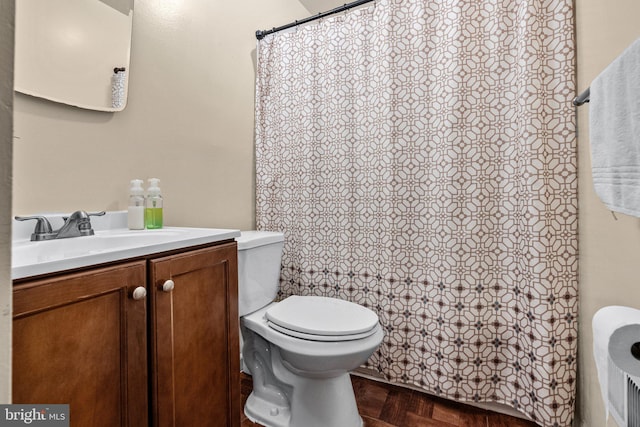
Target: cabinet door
(80, 339)
(195, 363)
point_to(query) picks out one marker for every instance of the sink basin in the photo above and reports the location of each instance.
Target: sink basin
(35, 258)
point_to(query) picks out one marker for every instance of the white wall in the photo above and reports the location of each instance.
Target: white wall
(6, 125)
(609, 248)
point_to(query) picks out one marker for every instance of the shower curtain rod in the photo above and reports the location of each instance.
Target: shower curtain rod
(261, 34)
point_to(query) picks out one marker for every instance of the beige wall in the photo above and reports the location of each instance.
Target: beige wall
(609, 249)
(6, 113)
(189, 120)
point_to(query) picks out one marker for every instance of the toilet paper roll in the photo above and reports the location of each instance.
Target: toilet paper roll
(605, 322)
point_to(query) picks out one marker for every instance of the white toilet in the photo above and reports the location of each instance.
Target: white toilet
(299, 351)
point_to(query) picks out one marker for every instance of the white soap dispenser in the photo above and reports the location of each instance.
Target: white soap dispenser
(153, 205)
(135, 214)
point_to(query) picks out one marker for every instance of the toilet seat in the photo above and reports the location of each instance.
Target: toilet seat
(321, 319)
(325, 338)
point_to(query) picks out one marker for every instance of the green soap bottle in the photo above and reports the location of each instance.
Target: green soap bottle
(153, 205)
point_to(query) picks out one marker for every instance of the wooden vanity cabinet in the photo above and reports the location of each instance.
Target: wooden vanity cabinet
(81, 339)
(168, 359)
(196, 362)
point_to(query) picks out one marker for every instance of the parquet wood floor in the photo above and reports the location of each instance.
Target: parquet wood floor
(383, 405)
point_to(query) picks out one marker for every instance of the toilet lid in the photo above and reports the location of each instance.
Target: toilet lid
(322, 316)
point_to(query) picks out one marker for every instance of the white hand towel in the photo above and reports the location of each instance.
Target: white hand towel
(118, 86)
(614, 116)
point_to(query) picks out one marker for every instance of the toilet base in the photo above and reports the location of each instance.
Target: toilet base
(299, 382)
(266, 413)
(327, 402)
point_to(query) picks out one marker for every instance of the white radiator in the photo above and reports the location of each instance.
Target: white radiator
(633, 402)
(624, 397)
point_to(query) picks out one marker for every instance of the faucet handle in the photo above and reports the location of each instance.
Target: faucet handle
(85, 226)
(83, 221)
(83, 215)
(43, 230)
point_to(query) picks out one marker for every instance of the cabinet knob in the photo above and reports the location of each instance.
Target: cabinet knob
(139, 293)
(168, 285)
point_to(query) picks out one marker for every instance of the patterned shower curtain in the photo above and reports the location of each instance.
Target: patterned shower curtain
(420, 156)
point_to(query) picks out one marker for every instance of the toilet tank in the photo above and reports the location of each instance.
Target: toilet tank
(259, 256)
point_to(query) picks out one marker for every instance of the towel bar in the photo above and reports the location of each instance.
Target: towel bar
(582, 98)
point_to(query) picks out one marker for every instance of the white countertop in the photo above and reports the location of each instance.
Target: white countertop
(112, 242)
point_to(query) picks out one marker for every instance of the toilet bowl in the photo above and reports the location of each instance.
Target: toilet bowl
(299, 351)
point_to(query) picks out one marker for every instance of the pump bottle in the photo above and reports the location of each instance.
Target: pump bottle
(153, 205)
(135, 213)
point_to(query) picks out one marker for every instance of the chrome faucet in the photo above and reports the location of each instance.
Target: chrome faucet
(75, 225)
